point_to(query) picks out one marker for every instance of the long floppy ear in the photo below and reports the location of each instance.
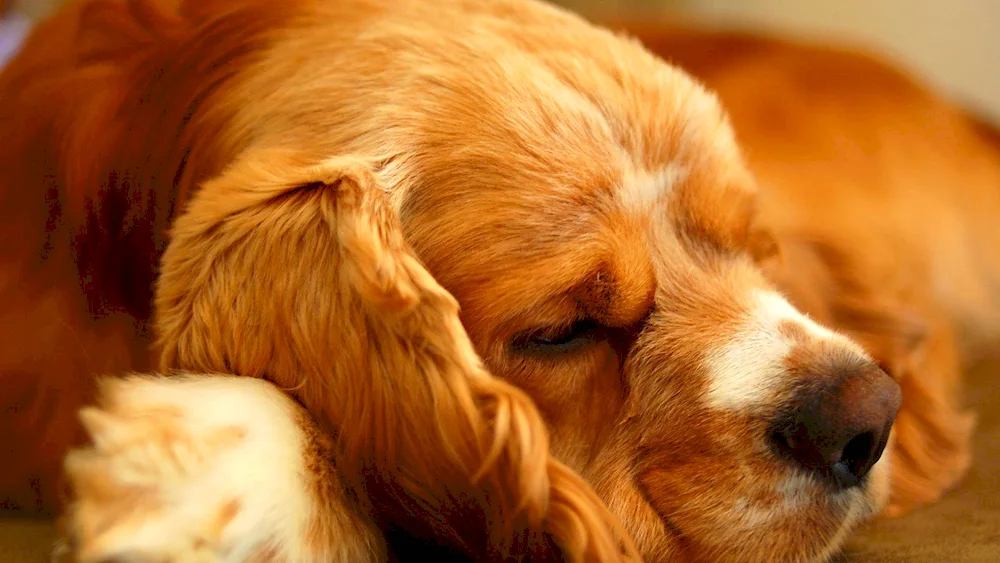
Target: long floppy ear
(933, 431)
(293, 268)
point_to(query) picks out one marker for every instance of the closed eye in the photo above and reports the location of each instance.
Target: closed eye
(557, 340)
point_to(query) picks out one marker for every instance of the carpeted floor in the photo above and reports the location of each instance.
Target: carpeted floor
(26, 541)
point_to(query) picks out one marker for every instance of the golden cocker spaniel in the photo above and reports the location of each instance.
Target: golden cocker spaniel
(477, 280)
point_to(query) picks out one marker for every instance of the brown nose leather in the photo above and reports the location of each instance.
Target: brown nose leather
(841, 432)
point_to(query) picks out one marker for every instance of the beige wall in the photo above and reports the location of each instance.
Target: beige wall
(33, 8)
(954, 43)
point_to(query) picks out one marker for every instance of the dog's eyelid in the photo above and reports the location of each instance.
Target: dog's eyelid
(554, 332)
(557, 339)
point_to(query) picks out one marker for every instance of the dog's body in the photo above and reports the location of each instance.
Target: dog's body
(509, 139)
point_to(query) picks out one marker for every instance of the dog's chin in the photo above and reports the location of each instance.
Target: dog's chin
(860, 505)
(812, 531)
(844, 510)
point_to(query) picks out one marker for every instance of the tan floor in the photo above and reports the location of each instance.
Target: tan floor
(965, 527)
(26, 541)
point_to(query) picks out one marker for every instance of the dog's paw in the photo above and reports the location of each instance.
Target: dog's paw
(205, 469)
(133, 489)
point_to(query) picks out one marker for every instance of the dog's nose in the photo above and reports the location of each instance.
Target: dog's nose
(841, 432)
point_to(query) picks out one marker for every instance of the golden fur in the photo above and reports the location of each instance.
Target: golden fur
(382, 315)
(314, 188)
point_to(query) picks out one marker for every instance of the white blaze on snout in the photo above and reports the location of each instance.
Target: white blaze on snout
(749, 368)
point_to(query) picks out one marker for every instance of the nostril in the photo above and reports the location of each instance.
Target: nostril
(845, 464)
(855, 460)
(858, 452)
(784, 440)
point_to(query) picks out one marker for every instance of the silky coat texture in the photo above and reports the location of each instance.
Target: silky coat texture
(475, 280)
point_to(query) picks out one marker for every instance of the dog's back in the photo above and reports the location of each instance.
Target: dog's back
(92, 164)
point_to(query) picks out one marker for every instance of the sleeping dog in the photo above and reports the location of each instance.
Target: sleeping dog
(515, 286)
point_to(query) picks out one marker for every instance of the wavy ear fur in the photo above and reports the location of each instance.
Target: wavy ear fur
(293, 268)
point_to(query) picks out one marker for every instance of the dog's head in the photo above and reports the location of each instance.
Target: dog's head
(600, 236)
(589, 209)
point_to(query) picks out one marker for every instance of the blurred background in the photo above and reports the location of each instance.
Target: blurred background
(955, 44)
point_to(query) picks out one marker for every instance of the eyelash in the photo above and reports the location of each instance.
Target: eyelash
(550, 341)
